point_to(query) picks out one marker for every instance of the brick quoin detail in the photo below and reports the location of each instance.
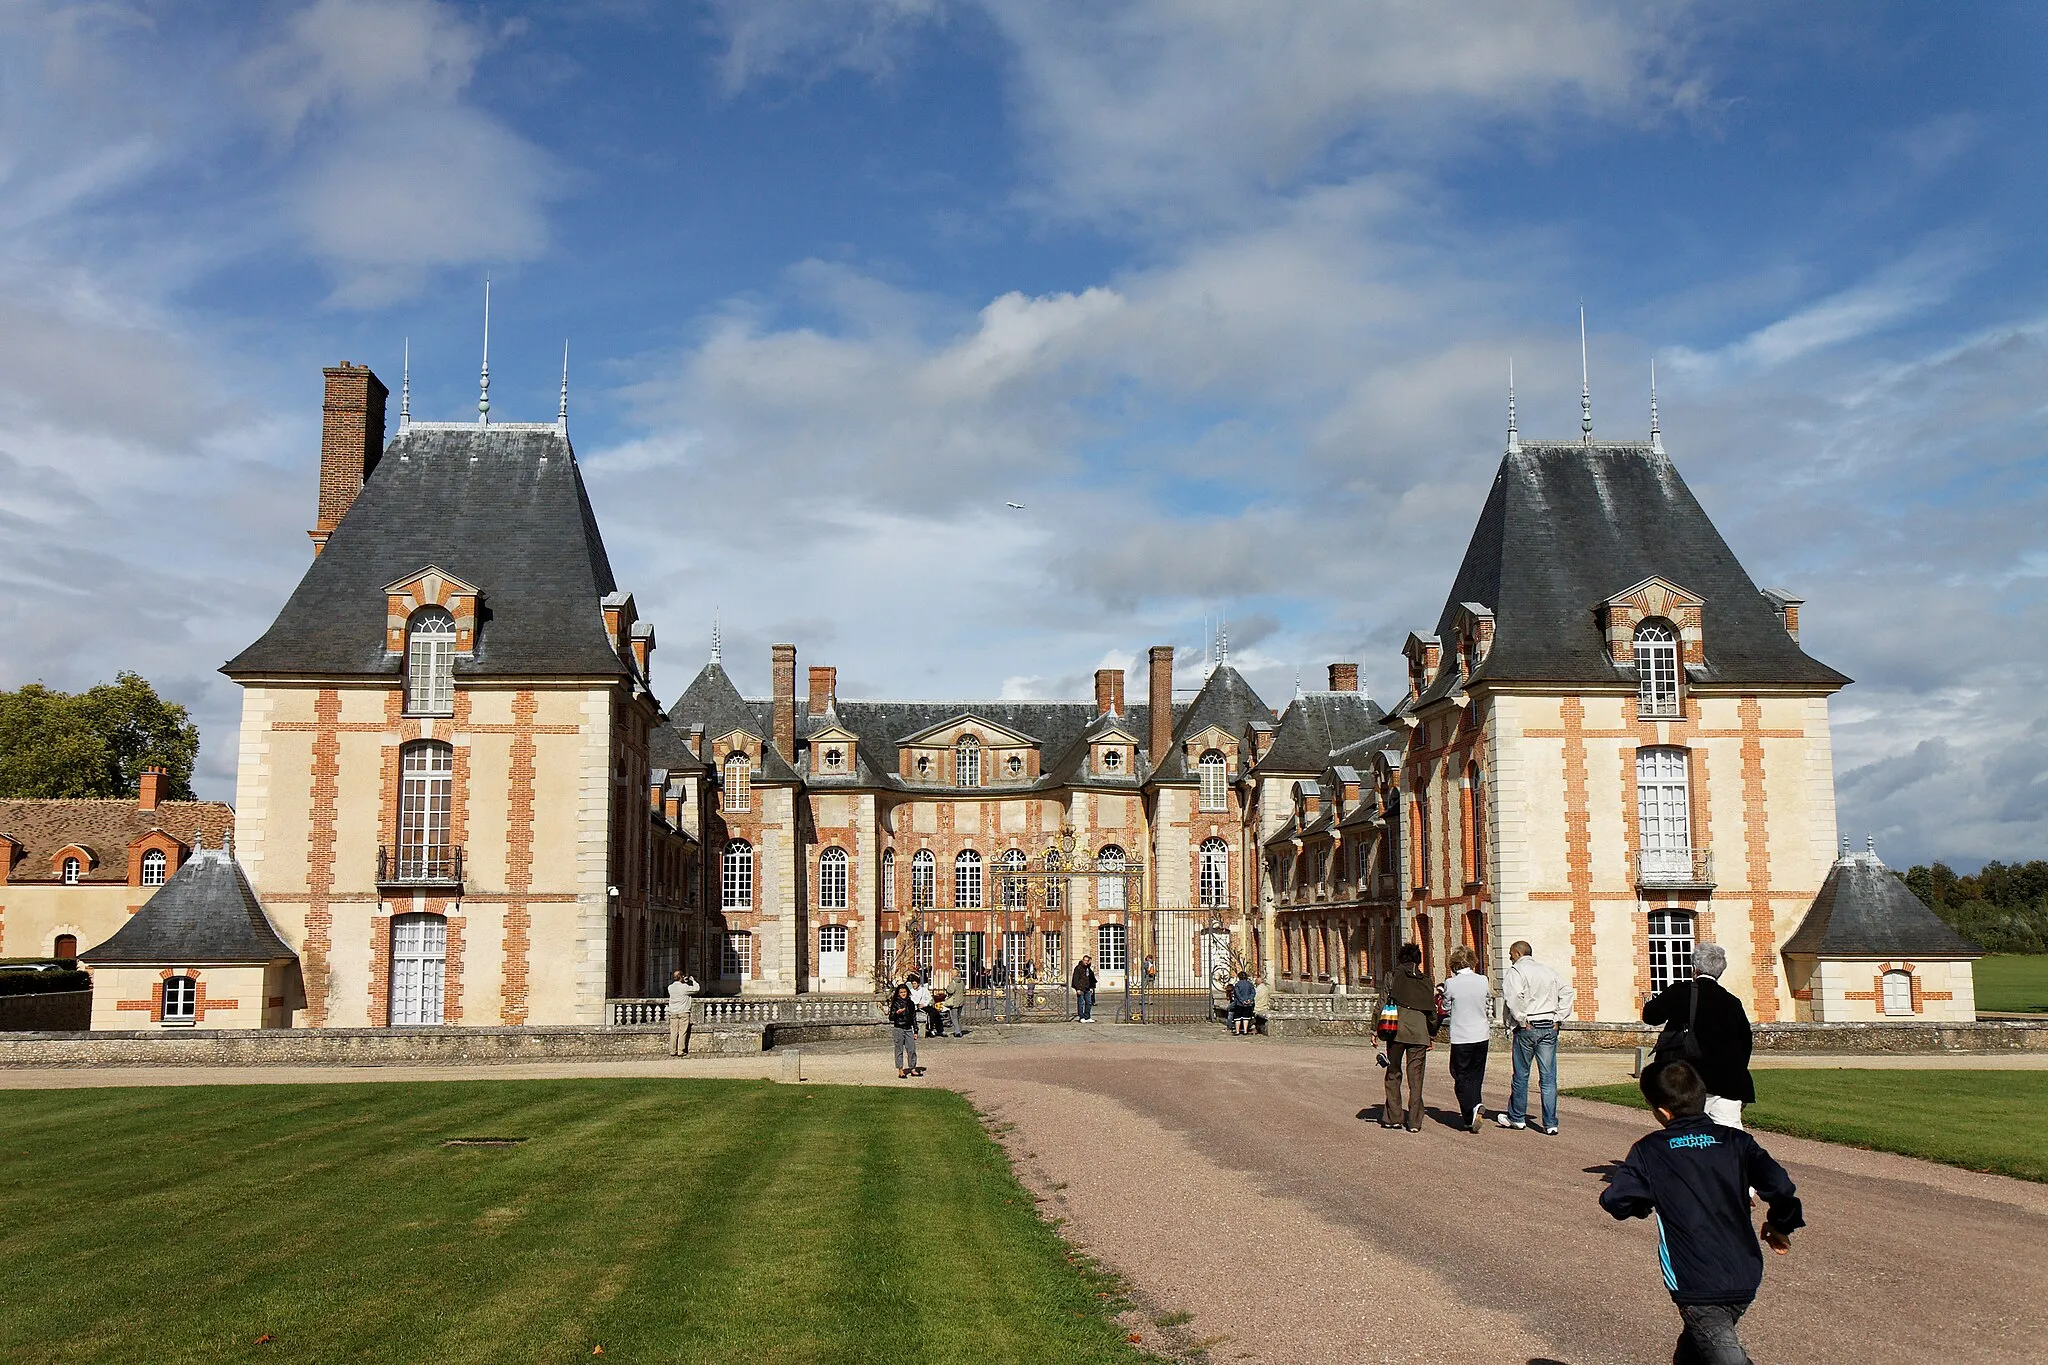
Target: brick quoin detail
(319, 944)
(518, 860)
(1756, 840)
(1578, 844)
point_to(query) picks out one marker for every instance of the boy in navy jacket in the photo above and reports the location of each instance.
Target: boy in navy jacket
(1694, 1177)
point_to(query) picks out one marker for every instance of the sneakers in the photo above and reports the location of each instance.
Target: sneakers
(1478, 1119)
(1504, 1121)
(1551, 1131)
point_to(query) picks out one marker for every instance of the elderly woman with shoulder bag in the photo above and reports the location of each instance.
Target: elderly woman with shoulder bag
(1409, 1021)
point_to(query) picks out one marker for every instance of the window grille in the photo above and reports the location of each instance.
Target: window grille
(832, 879)
(1112, 948)
(888, 879)
(419, 968)
(923, 880)
(1215, 776)
(739, 782)
(1016, 891)
(1055, 962)
(1670, 948)
(967, 880)
(736, 956)
(1898, 992)
(1656, 669)
(154, 866)
(965, 968)
(181, 1000)
(1215, 873)
(72, 869)
(967, 762)
(1016, 950)
(924, 954)
(736, 876)
(1663, 813)
(1109, 891)
(430, 663)
(426, 796)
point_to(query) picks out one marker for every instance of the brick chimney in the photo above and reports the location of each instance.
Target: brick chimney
(1343, 677)
(154, 782)
(1159, 717)
(824, 689)
(351, 439)
(697, 740)
(1109, 691)
(784, 660)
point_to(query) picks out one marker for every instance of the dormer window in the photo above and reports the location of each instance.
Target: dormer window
(72, 868)
(430, 663)
(154, 864)
(1656, 669)
(1112, 760)
(739, 781)
(967, 762)
(835, 760)
(1215, 774)
(924, 765)
(1014, 765)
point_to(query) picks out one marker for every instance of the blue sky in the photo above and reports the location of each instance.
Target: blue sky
(1223, 293)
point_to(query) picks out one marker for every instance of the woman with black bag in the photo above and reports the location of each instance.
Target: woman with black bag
(1706, 1026)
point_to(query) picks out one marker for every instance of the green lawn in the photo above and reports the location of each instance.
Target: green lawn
(1980, 1120)
(661, 1220)
(2015, 983)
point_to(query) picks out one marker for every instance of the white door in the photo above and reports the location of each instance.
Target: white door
(419, 968)
(832, 950)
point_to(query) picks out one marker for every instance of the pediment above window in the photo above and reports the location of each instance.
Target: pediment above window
(1655, 598)
(834, 751)
(431, 587)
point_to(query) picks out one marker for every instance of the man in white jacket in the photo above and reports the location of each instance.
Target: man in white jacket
(1537, 1000)
(680, 989)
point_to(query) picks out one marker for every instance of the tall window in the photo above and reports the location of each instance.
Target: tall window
(1109, 891)
(430, 663)
(888, 879)
(1055, 892)
(1421, 870)
(181, 1000)
(154, 866)
(1112, 948)
(967, 880)
(1215, 873)
(1055, 964)
(419, 968)
(1656, 669)
(739, 781)
(1016, 951)
(426, 794)
(736, 876)
(1898, 992)
(967, 762)
(1475, 836)
(832, 879)
(1016, 893)
(736, 956)
(1215, 781)
(1663, 814)
(924, 954)
(923, 880)
(72, 869)
(1670, 948)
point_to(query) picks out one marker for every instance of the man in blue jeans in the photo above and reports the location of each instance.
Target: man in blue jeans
(1083, 982)
(1537, 1001)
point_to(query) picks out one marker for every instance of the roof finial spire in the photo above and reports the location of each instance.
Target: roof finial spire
(1514, 437)
(562, 414)
(405, 389)
(1656, 436)
(1585, 383)
(1223, 642)
(483, 398)
(715, 650)
(1297, 682)
(1870, 844)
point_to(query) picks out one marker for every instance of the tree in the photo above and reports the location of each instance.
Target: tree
(94, 743)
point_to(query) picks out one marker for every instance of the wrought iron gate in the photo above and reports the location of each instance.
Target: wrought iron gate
(1182, 965)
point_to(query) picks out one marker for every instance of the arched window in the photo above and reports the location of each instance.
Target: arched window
(181, 1000)
(832, 880)
(1663, 815)
(739, 781)
(1016, 891)
(1215, 781)
(967, 762)
(1215, 874)
(1109, 891)
(419, 968)
(1656, 669)
(888, 879)
(72, 871)
(1898, 992)
(154, 867)
(426, 796)
(736, 876)
(1670, 948)
(736, 956)
(967, 880)
(430, 663)
(1112, 948)
(66, 946)
(923, 880)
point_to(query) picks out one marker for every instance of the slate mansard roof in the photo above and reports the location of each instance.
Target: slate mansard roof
(1864, 911)
(206, 912)
(502, 507)
(1316, 726)
(1569, 525)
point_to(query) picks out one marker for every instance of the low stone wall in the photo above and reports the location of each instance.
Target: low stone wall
(1849, 1040)
(333, 1046)
(60, 1011)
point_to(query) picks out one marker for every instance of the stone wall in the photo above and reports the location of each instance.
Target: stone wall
(335, 1047)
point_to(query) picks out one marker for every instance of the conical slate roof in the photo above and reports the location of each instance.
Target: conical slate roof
(1864, 911)
(1227, 702)
(206, 912)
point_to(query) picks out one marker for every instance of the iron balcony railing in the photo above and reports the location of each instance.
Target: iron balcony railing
(415, 865)
(1675, 867)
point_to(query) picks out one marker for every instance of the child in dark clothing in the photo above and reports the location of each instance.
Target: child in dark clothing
(1695, 1177)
